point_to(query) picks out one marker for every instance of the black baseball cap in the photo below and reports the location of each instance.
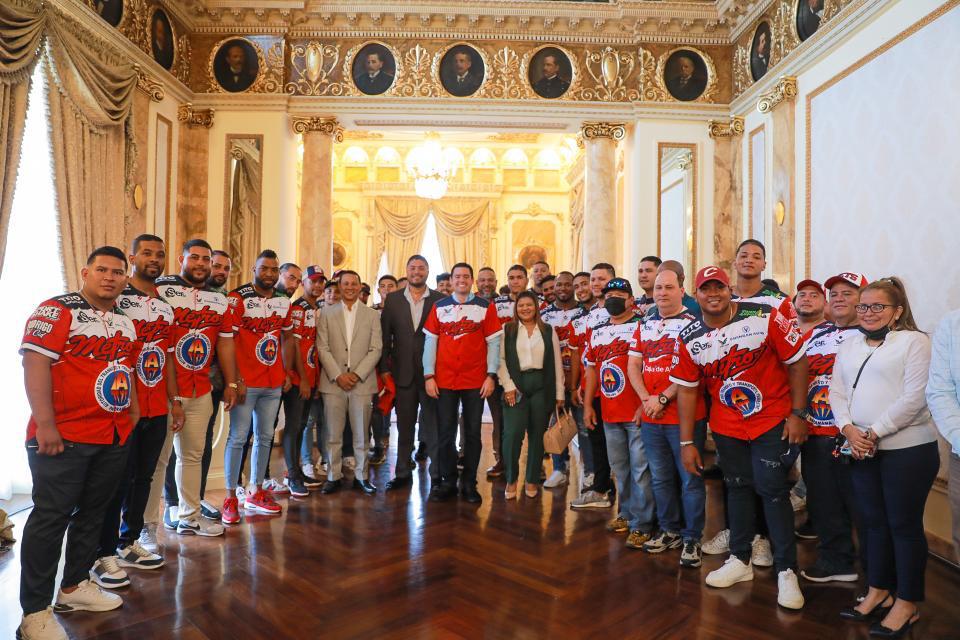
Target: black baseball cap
(618, 284)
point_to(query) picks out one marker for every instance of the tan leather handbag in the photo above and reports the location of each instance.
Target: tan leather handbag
(560, 432)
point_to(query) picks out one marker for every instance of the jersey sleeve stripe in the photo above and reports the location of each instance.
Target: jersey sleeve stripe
(38, 349)
(684, 383)
(494, 335)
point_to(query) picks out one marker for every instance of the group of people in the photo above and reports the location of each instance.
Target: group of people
(125, 378)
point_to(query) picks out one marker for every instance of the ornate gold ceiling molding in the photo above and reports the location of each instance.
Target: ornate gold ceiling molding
(149, 85)
(535, 210)
(195, 117)
(315, 124)
(596, 130)
(726, 128)
(786, 89)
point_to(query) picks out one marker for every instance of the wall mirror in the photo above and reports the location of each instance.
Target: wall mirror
(677, 203)
(243, 203)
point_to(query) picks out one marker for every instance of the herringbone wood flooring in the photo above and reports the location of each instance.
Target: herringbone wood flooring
(397, 566)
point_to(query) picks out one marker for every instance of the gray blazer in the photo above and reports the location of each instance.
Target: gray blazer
(364, 354)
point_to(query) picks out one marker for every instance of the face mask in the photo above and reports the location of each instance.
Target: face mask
(615, 306)
(876, 334)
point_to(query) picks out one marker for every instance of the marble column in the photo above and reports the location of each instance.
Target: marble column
(599, 238)
(193, 164)
(315, 244)
(727, 189)
(780, 103)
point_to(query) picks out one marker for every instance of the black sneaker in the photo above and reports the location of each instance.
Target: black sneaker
(819, 572)
(805, 531)
(311, 483)
(297, 488)
(662, 541)
(690, 556)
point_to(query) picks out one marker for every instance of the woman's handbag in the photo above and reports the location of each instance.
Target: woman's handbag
(560, 433)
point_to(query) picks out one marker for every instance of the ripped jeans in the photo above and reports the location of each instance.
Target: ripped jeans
(762, 466)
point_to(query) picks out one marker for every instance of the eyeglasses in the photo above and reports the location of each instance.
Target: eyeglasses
(876, 307)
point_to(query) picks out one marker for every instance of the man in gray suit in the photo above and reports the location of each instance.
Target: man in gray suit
(349, 345)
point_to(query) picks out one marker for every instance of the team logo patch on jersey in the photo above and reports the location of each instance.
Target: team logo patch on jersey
(818, 402)
(113, 389)
(612, 380)
(267, 349)
(193, 350)
(312, 357)
(741, 396)
(150, 366)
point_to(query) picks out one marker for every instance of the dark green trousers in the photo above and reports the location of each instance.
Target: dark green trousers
(531, 416)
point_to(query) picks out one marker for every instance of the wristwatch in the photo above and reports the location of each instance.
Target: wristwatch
(800, 413)
(233, 385)
(685, 443)
(663, 400)
(177, 399)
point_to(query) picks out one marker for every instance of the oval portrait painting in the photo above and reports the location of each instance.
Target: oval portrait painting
(109, 10)
(550, 73)
(760, 51)
(809, 14)
(374, 69)
(162, 44)
(462, 70)
(685, 75)
(235, 65)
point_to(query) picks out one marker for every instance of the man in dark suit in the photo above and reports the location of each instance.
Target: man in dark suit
(550, 84)
(686, 85)
(233, 70)
(374, 80)
(461, 80)
(401, 321)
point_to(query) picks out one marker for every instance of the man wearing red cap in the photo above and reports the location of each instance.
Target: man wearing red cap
(750, 357)
(829, 488)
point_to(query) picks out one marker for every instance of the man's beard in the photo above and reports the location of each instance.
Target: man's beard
(150, 273)
(216, 280)
(264, 285)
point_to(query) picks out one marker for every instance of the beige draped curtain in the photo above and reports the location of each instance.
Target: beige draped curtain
(243, 239)
(90, 92)
(463, 230)
(21, 35)
(400, 224)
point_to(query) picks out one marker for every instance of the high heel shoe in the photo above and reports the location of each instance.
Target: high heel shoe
(877, 613)
(510, 494)
(877, 630)
(531, 493)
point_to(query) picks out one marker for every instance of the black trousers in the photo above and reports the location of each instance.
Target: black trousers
(598, 446)
(495, 402)
(170, 495)
(831, 504)
(448, 407)
(123, 520)
(295, 412)
(891, 490)
(410, 402)
(71, 492)
(379, 425)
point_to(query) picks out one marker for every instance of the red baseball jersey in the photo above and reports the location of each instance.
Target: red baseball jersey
(257, 322)
(742, 364)
(200, 316)
(608, 350)
(594, 317)
(462, 331)
(773, 298)
(655, 342)
(94, 354)
(505, 306)
(303, 316)
(822, 346)
(152, 318)
(562, 322)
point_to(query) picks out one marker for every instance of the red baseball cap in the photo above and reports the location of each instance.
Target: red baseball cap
(857, 280)
(315, 272)
(810, 283)
(707, 274)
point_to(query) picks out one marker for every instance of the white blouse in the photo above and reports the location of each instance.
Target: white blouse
(889, 397)
(530, 354)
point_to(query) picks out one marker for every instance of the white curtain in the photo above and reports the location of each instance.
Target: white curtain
(399, 224)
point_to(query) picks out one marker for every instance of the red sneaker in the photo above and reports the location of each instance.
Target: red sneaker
(230, 514)
(261, 502)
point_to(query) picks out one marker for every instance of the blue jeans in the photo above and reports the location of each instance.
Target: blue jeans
(662, 445)
(259, 409)
(583, 442)
(629, 465)
(316, 428)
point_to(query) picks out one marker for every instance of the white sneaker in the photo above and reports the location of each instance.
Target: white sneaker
(350, 463)
(241, 493)
(274, 486)
(587, 482)
(718, 544)
(200, 527)
(107, 573)
(148, 537)
(591, 500)
(762, 554)
(789, 595)
(307, 470)
(87, 597)
(732, 572)
(41, 625)
(556, 479)
(137, 557)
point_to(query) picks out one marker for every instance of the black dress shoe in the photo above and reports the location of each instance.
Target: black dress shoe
(421, 453)
(441, 493)
(471, 495)
(877, 613)
(330, 486)
(365, 485)
(877, 630)
(399, 483)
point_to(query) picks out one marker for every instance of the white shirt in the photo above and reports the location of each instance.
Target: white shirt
(889, 397)
(530, 354)
(416, 306)
(349, 319)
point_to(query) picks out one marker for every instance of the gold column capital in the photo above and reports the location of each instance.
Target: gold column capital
(195, 117)
(786, 89)
(726, 128)
(316, 124)
(596, 130)
(149, 85)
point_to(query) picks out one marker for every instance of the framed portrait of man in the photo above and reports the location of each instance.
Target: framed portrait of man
(685, 75)
(236, 65)
(374, 69)
(550, 73)
(760, 51)
(462, 70)
(162, 43)
(808, 16)
(109, 10)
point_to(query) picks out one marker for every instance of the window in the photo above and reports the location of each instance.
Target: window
(32, 272)
(430, 249)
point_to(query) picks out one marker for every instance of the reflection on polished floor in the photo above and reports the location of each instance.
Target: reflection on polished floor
(397, 566)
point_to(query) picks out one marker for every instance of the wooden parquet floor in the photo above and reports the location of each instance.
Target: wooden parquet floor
(398, 566)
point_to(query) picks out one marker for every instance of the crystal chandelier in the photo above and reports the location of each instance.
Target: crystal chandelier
(431, 168)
